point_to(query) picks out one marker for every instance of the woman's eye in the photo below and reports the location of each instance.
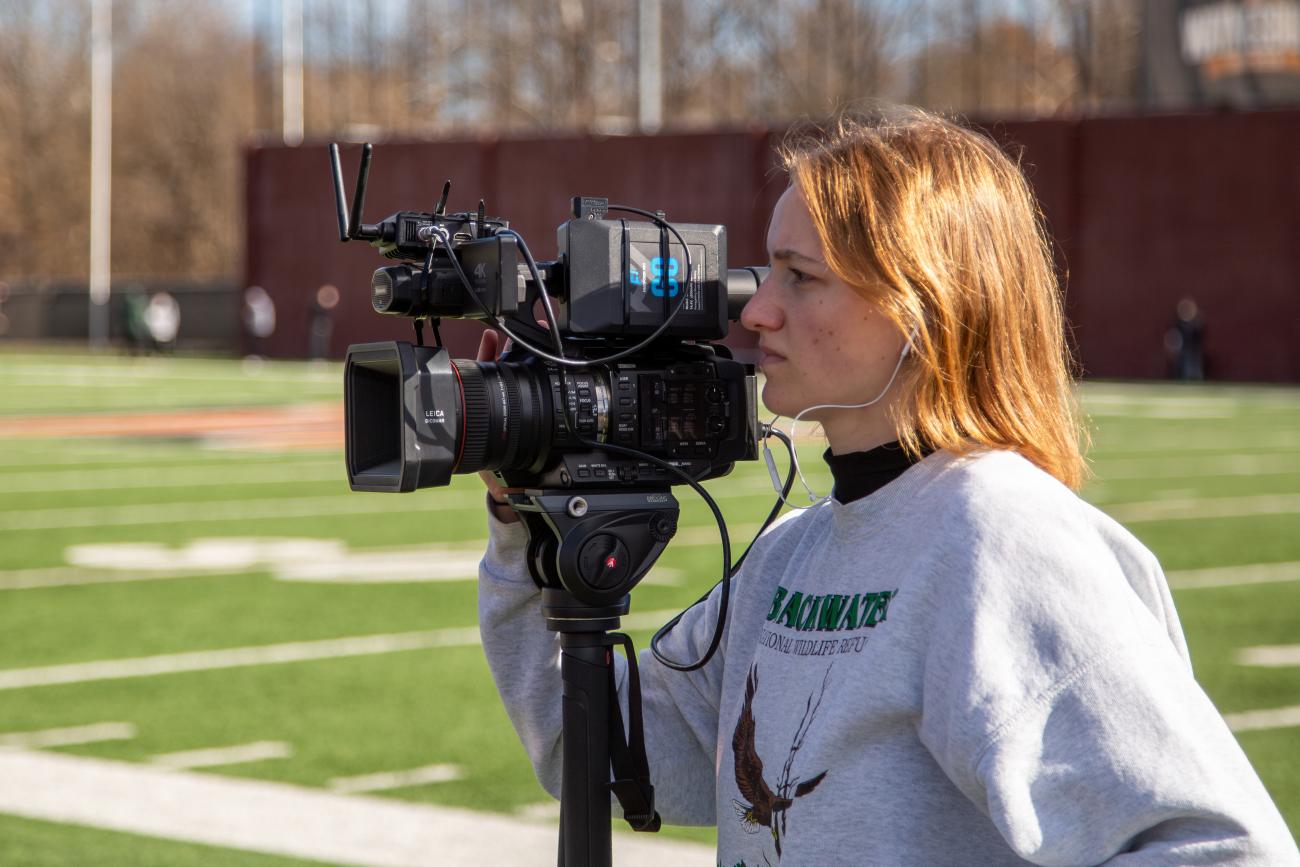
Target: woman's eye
(799, 277)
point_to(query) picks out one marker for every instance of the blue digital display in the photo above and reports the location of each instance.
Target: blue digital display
(658, 278)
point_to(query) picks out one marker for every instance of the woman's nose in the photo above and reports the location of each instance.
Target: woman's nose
(760, 312)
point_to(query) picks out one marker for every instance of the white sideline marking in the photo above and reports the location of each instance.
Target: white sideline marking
(267, 654)
(1270, 656)
(216, 756)
(1255, 720)
(288, 820)
(1232, 576)
(396, 779)
(68, 737)
(1216, 507)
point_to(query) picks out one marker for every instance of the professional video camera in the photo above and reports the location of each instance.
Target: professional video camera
(630, 305)
(588, 419)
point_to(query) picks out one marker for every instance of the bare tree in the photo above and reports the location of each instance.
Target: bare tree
(44, 140)
(193, 83)
(178, 163)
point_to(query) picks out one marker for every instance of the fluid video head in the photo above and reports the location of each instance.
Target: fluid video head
(627, 391)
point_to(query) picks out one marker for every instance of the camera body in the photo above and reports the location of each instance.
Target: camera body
(647, 296)
(414, 416)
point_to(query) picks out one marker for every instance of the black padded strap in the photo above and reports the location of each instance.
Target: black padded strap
(627, 754)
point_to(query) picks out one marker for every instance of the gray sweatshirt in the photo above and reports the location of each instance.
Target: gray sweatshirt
(970, 666)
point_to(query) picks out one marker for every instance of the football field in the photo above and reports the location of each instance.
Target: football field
(213, 652)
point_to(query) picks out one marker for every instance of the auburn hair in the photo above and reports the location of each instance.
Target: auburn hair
(937, 226)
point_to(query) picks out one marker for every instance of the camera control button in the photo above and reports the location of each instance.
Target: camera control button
(603, 562)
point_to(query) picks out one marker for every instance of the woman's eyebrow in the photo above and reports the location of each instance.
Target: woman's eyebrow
(787, 255)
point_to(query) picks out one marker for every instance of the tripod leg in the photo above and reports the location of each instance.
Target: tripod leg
(585, 798)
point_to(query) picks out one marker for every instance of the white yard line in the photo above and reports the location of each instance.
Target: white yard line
(396, 779)
(1187, 410)
(1171, 440)
(1255, 720)
(68, 737)
(1270, 656)
(1232, 576)
(299, 560)
(268, 654)
(191, 512)
(214, 757)
(238, 657)
(1193, 467)
(1216, 507)
(133, 376)
(77, 458)
(172, 477)
(293, 821)
(72, 576)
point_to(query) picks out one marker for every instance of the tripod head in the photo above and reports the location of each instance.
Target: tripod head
(596, 545)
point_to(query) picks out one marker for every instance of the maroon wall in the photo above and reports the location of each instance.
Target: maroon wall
(1143, 211)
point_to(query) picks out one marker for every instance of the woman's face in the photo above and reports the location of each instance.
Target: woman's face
(821, 341)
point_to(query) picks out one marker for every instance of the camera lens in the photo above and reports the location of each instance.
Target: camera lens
(415, 416)
(507, 414)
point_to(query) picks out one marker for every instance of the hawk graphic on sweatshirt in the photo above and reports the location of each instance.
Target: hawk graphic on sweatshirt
(767, 807)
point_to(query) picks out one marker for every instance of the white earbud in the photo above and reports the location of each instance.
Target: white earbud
(911, 338)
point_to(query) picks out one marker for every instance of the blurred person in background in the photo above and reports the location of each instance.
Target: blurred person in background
(259, 319)
(134, 329)
(1185, 342)
(951, 659)
(322, 321)
(162, 319)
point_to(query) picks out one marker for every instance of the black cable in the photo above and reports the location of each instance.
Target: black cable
(727, 568)
(663, 631)
(551, 324)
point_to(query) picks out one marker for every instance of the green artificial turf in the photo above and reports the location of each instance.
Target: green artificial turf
(391, 711)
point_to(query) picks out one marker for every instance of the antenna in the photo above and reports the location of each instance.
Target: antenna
(442, 201)
(355, 228)
(340, 197)
(482, 217)
(351, 227)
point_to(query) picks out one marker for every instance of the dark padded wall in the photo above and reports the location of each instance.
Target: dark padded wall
(1143, 211)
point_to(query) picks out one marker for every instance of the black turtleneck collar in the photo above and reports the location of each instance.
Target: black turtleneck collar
(858, 474)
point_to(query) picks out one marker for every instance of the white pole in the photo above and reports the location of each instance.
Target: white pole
(651, 66)
(291, 70)
(101, 168)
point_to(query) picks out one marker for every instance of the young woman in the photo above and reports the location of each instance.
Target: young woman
(953, 659)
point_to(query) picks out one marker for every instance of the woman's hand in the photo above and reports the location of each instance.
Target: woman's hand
(489, 347)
